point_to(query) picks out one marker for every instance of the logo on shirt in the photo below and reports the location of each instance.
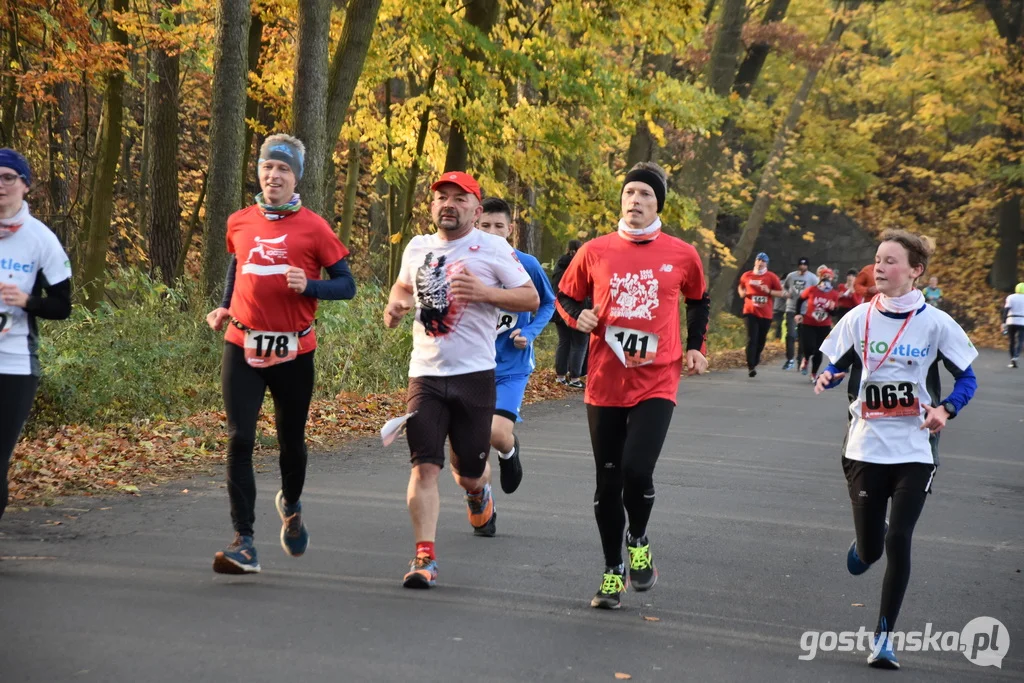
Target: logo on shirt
(17, 266)
(666, 268)
(634, 296)
(439, 311)
(268, 257)
(903, 350)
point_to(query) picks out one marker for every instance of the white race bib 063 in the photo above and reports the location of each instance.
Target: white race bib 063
(265, 349)
(883, 399)
(633, 347)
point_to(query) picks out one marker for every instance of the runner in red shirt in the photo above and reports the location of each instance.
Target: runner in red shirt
(635, 278)
(849, 299)
(757, 287)
(270, 301)
(821, 300)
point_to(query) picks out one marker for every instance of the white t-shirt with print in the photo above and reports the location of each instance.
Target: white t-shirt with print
(449, 337)
(1015, 316)
(892, 440)
(31, 255)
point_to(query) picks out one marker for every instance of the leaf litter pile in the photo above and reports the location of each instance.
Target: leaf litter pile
(84, 460)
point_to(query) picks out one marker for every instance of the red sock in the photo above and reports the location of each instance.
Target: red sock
(425, 547)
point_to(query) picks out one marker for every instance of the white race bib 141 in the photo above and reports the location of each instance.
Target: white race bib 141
(633, 347)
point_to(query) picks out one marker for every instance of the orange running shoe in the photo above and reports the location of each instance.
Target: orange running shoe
(480, 507)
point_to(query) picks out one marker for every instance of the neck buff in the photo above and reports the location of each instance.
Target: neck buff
(9, 226)
(911, 301)
(825, 285)
(274, 213)
(639, 234)
(760, 271)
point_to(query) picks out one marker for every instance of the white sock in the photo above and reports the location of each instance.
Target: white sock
(506, 456)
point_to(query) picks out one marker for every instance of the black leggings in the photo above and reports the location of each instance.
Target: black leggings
(626, 443)
(812, 338)
(291, 386)
(793, 339)
(757, 335)
(871, 486)
(15, 404)
(571, 351)
(1016, 335)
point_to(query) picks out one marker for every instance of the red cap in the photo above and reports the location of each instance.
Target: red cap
(463, 180)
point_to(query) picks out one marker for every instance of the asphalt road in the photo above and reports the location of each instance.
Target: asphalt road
(749, 533)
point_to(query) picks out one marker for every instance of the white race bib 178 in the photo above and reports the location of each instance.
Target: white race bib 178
(633, 347)
(264, 349)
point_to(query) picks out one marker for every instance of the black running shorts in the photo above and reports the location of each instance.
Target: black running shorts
(458, 408)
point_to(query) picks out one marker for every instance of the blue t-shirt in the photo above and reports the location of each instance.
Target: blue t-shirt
(513, 361)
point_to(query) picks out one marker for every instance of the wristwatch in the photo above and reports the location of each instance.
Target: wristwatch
(950, 408)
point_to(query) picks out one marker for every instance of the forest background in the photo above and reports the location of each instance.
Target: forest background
(141, 120)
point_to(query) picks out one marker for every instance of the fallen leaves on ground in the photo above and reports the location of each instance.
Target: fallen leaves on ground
(83, 460)
(622, 677)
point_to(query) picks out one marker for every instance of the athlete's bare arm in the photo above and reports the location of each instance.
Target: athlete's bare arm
(400, 302)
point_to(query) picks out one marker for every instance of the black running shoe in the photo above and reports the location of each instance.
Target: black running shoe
(511, 469)
(752, 373)
(613, 584)
(642, 572)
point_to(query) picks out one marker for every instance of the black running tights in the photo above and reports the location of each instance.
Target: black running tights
(871, 486)
(757, 335)
(15, 403)
(626, 443)
(291, 386)
(812, 338)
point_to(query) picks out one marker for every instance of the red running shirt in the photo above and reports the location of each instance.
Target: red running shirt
(637, 287)
(819, 306)
(264, 251)
(849, 298)
(758, 302)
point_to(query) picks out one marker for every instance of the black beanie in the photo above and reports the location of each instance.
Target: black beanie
(643, 175)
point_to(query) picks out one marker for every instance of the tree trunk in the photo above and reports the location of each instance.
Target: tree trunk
(721, 73)
(724, 289)
(1008, 17)
(309, 100)
(59, 151)
(101, 198)
(346, 67)
(9, 99)
(750, 68)
(481, 14)
(255, 46)
(193, 224)
(164, 209)
(227, 137)
(348, 211)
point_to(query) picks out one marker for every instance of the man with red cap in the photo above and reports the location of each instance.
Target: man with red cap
(455, 280)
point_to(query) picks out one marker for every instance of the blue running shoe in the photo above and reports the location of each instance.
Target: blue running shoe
(882, 655)
(854, 564)
(788, 365)
(237, 558)
(294, 537)
(422, 572)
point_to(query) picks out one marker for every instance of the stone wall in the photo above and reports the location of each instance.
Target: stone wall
(839, 242)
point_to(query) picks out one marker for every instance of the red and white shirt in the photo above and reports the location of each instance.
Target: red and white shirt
(635, 351)
(264, 251)
(819, 306)
(757, 301)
